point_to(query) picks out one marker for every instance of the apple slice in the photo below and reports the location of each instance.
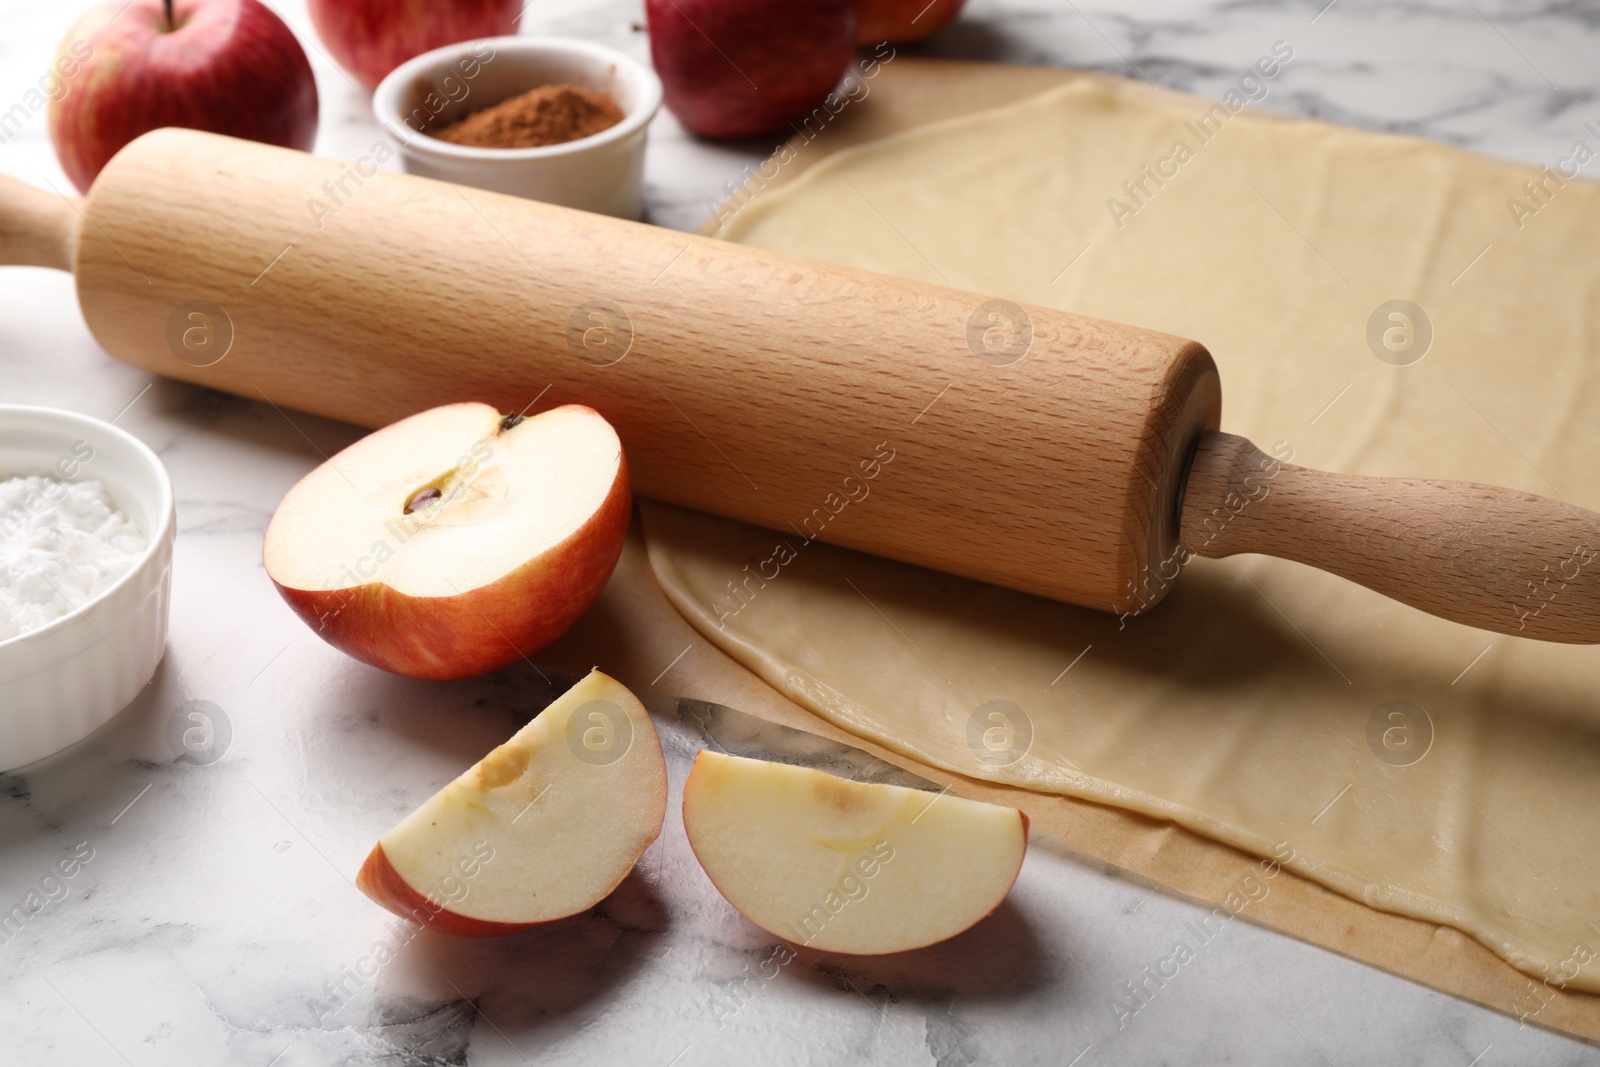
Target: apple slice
(847, 866)
(453, 542)
(545, 826)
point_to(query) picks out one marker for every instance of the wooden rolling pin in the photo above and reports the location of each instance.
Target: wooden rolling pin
(1028, 447)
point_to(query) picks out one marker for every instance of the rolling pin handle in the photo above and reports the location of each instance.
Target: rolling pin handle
(38, 228)
(1498, 559)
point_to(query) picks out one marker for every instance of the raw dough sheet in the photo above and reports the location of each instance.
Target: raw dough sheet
(1422, 767)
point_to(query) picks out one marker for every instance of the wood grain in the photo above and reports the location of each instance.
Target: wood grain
(743, 382)
(1498, 559)
(1031, 448)
(37, 228)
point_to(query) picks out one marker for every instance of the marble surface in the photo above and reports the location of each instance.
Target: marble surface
(215, 920)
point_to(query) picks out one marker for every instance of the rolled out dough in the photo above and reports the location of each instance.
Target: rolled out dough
(1420, 766)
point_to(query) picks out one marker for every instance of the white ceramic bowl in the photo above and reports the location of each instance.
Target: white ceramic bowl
(602, 173)
(62, 681)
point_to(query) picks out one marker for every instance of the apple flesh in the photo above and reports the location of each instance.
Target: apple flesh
(225, 66)
(902, 21)
(543, 827)
(369, 38)
(748, 67)
(847, 866)
(455, 541)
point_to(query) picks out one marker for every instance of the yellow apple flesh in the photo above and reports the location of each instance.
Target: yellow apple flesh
(848, 866)
(543, 827)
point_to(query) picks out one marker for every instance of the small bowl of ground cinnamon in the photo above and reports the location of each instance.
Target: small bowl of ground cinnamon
(549, 118)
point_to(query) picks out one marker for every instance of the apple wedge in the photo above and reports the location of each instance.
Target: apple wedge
(848, 866)
(453, 542)
(543, 827)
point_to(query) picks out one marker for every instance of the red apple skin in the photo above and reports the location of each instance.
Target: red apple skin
(369, 38)
(743, 68)
(230, 67)
(483, 629)
(379, 880)
(902, 21)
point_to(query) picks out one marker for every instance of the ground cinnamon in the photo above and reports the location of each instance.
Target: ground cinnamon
(550, 114)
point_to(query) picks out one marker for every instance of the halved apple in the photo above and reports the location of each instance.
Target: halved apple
(543, 827)
(848, 866)
(452, 542)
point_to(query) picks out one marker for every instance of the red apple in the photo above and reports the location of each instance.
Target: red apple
(370, 38)
(456, 541)
(225, 66)
(742, 68)
(543, 827)
(901, 21)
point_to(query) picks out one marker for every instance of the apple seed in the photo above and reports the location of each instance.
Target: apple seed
(422, 498)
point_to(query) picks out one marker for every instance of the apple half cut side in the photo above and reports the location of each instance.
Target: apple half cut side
(848, 866)
(455, 541)
(543, 827)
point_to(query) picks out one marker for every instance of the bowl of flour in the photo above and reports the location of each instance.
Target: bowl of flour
(86, 532)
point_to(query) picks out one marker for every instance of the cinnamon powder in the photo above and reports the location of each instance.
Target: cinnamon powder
(550, 114)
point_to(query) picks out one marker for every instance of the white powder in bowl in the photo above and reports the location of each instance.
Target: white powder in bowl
(61, 545)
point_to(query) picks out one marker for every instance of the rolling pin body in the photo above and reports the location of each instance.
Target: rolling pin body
(1040, 452)
(1027, 447)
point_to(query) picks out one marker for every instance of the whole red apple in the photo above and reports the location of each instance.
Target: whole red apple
(902, 21)
(370, 38)
(742, 68)
(225, 66)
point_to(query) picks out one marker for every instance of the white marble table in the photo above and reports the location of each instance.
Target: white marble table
(216, 922)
